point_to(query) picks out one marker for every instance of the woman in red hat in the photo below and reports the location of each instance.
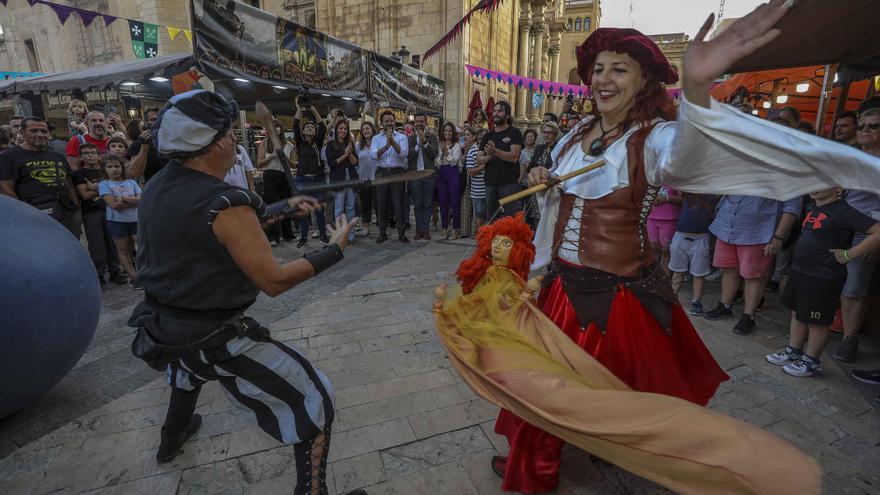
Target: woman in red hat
(604, 287)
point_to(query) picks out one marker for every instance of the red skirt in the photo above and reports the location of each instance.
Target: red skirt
(636, 350)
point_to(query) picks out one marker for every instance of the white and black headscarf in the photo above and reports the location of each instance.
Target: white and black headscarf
(191, 121)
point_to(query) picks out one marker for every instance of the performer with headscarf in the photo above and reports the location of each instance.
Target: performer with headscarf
(202, 259)
(604, 289)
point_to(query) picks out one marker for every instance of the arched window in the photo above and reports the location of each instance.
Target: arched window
(586, 23)
(577, 24)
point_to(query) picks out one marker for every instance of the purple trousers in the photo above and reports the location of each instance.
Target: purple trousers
(449, 190)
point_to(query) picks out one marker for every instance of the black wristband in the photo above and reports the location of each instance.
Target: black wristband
(325, 258)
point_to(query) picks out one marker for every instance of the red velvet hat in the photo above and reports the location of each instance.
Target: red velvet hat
(630, 41)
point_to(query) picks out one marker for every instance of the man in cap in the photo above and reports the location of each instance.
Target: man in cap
(202, 260)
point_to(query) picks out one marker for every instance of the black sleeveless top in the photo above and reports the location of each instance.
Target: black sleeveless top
(181, 264)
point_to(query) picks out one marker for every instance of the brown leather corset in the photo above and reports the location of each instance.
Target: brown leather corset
(612, 235)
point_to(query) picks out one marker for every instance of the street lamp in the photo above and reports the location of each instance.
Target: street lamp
(404, 54)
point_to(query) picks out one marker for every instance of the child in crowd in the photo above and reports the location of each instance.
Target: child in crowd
(118, 146)
(661, 223)
(477, 175)
(76, 118)
(689, 249)
(101, 246)
(818, 275)
(122, 196)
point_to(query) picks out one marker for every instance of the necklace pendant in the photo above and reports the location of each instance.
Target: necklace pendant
(597, 147)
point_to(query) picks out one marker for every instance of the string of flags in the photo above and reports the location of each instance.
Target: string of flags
(536, 85)
(540, 86)
(144, 36)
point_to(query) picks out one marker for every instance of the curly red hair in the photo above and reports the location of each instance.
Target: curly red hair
(471, 270)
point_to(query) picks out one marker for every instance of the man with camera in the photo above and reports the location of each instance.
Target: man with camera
(145, 160)
(390, 149)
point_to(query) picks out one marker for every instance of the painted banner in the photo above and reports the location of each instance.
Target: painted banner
(240, 41)
(398, 85)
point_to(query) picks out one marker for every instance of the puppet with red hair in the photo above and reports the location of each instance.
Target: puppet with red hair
(604, 289)
(522, 252)
(513, 355)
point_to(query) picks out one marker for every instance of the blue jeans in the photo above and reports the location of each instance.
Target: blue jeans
(423, 198)
(343, 202)
(306, 221)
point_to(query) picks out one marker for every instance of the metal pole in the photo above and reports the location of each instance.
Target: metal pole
(824, 97)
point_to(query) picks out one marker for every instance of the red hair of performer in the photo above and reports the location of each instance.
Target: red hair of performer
(471, 270)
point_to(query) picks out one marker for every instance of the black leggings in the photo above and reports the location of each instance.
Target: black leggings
(310, 455)
(276, 188)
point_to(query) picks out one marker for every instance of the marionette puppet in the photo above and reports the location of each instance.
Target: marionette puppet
(511, 354)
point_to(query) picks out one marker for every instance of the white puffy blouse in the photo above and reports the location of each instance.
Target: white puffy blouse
(716, 150)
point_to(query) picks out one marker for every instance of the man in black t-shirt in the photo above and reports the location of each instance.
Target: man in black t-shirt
(145, 160)
(40, 177)
(500, 150)
(818, 274)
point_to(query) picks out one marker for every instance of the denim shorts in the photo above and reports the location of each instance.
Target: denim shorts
(479, 207)
(122, 230)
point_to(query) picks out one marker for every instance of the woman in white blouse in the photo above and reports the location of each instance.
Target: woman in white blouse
(604, 288)
(449, 181)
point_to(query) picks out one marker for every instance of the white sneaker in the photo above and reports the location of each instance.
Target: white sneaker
(273, 243)
(802, 368)
(784, 356)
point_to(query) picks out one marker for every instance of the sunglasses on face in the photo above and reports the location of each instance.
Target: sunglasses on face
(873, 126)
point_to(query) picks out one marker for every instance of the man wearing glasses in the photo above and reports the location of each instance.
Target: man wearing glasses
(853, 300)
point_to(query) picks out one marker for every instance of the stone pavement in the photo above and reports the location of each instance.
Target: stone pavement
(405, 423)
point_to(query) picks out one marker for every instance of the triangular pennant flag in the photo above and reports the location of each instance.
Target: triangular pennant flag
(108, 19)
(86, 16)
(173, 32)
(188, 34)
(3, 2)
(62, 11)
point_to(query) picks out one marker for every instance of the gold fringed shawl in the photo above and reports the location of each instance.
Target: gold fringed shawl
(512, 355)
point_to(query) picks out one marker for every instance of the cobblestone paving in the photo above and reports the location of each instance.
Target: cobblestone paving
(406, 424)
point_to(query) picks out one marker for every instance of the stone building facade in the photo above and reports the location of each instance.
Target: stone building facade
(581, 19)
(521, 36)
(674, 46)
(34, 40)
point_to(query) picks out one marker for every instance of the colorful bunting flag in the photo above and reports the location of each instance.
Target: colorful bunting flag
(144, 38)
(188, 34)
(173, 32)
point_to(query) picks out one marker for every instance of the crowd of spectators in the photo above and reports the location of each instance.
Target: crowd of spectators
(91, 184)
